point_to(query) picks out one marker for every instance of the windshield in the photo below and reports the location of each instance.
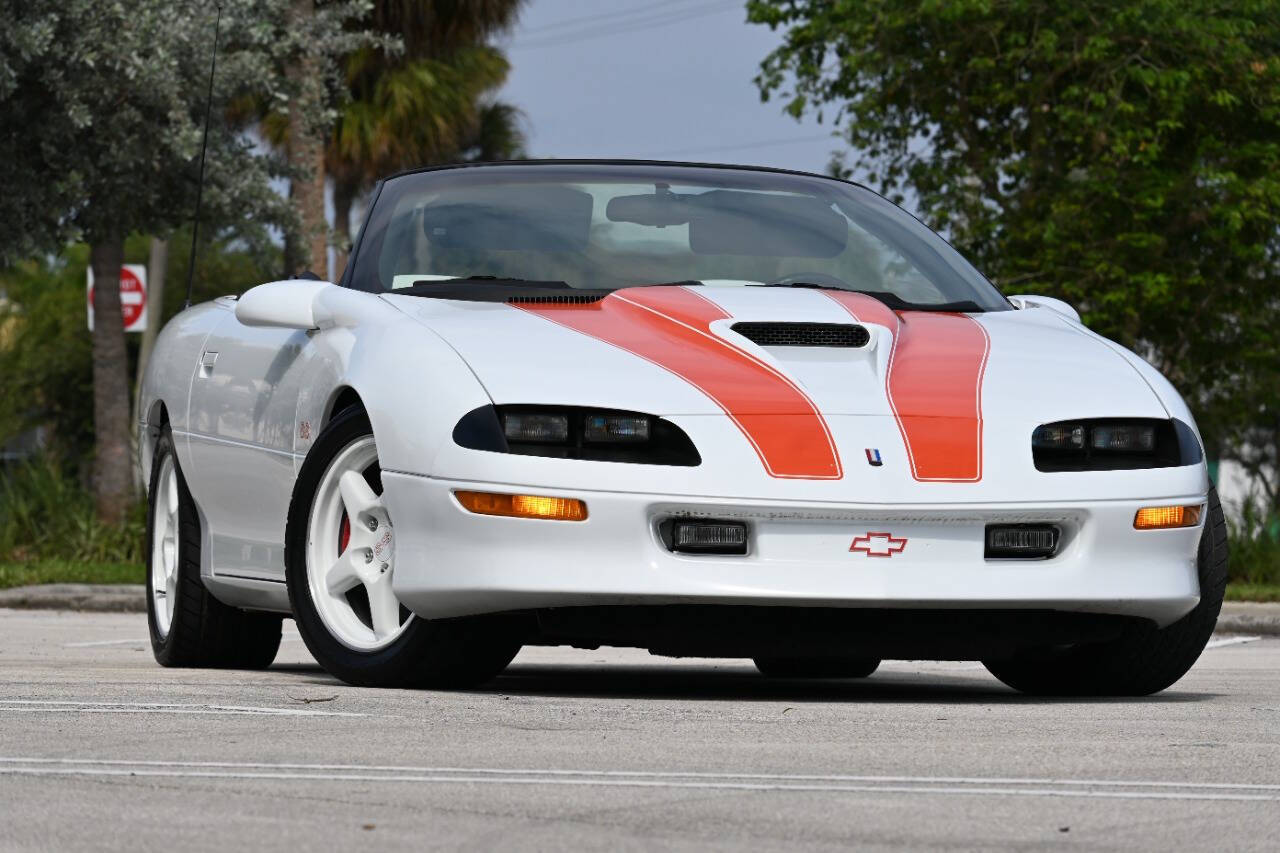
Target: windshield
(606, 226)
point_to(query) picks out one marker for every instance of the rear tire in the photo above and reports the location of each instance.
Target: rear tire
(188, 626)
(783, 667)
(340, 548)
(1143, 660)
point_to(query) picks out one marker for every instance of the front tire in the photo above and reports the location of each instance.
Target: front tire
(1143, 660)
(340, 561)
(188, 626)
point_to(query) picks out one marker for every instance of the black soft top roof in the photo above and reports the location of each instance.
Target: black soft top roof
(590, 161)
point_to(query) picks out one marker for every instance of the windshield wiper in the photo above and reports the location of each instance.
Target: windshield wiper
(894, 301)
(688, 282)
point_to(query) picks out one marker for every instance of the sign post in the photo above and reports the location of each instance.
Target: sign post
(133, 297)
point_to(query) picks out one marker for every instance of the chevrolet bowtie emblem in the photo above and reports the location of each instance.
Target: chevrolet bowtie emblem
(878, 544)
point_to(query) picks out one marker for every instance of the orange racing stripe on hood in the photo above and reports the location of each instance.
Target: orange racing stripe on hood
(670, 327)
(934, 385)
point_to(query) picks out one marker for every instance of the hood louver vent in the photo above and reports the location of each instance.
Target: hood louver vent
(804, 334)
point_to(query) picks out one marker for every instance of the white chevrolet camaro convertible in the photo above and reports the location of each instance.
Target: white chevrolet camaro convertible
(705, 411)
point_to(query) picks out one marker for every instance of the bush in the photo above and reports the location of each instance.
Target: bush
(1255, 546)
(46, 513)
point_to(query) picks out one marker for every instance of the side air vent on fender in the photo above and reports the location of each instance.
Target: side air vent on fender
(804, 334)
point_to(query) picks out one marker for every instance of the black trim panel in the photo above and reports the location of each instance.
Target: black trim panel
(1175, 445)
(481, 429)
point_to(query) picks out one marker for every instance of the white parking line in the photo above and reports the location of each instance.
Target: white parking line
(104, 643)
(1230, 641)
(836, 783)
(71, 706)
(671, 783)
(144, 641)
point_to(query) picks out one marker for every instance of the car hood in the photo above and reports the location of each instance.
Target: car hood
(673, 351)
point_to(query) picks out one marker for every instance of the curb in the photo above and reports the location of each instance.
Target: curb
(96, 598)
(1238, 617)
(1249, 617)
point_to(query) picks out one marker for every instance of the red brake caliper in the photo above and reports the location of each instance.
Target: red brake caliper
(344, 534)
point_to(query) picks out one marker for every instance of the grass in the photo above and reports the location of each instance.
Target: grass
(1253, 592)
(46, 513)
(68, 571)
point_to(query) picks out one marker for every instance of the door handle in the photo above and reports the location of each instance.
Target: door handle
(207, 361)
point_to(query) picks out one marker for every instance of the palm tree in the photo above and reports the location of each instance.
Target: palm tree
(439, 27)
(429, 104)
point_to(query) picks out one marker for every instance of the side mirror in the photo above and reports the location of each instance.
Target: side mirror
(289, 304)
(1025, 301)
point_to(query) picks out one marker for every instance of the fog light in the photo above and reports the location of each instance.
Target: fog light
(1167, 517)
(1023, 541)
(523, 506)
(708, 537)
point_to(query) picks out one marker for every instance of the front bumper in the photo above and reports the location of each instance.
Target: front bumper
(450, 562)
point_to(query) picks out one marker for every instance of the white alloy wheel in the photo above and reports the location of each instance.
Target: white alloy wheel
(351, 554)
(164, 546)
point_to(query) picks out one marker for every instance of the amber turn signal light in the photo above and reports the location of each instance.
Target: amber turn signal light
(1166, 517)
(523, 506)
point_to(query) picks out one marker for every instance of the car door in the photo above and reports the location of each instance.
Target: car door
(243, 408)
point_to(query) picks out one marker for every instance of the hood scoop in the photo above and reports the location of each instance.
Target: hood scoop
(849, 335)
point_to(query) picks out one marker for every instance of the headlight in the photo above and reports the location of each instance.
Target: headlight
(1123, 438)
(1058, 437)
(553, 429)
(1108, 445)
(609, 429)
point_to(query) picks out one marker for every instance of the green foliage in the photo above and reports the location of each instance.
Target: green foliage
(45, 353)
(46, 372)
(45, 513)
(1255, 546)
(1122, 156)
(69, 571)
(1253, 592)
(104, 103)
(231, 261)
(412, 111)
(430, 103)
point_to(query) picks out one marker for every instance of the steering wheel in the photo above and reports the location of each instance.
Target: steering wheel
(810, 278)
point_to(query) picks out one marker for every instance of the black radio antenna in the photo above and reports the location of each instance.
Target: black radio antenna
(204, 145)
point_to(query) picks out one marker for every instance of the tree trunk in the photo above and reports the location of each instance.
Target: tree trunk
(113, 458)
(305, 151)
(344, 196)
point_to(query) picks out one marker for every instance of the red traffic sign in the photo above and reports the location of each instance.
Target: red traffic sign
(133, 297)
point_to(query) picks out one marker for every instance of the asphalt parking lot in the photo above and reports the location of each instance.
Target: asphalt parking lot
(614, 749)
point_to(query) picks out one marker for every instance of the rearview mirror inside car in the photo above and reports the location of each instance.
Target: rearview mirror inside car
(737, 222)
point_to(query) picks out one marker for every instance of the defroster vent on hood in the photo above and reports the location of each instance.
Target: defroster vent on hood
(558, 298)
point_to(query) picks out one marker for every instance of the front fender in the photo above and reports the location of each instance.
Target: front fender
(413, 385)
